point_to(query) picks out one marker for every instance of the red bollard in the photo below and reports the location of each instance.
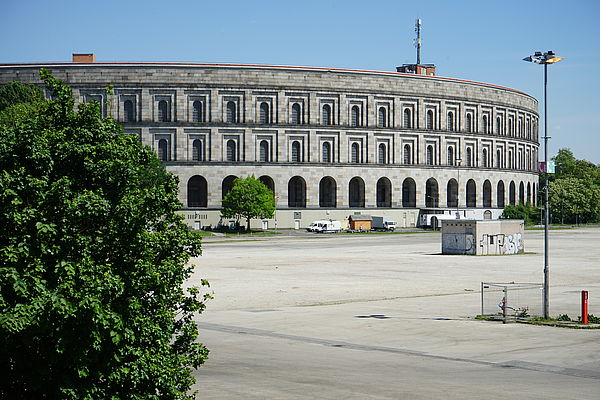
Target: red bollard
(584, 307)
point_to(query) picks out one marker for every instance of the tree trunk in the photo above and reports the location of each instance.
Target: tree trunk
(248, 225)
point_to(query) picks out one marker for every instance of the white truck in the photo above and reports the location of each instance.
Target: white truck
(383, 224)
(325, 226)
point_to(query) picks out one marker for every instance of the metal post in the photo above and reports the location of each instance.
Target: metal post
(546, 203)
(546, 58)
(584, 307)
(458, 163)
(504, 303)
(481, 298)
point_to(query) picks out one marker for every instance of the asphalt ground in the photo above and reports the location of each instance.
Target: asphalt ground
(389, 317)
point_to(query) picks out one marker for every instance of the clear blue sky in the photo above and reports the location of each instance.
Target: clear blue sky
(475, 40)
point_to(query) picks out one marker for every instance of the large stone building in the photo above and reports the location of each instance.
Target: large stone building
(328, 142)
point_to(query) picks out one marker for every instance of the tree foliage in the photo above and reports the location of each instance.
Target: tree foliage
(574, 189)
(572, 200)
(526, 212)
(92, 262)
(16, 92)
(249, 198)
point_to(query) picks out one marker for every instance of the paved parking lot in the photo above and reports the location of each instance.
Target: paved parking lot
(388, 317)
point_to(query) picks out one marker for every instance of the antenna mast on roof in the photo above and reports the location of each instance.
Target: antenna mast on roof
(418, 40)
(418, 68)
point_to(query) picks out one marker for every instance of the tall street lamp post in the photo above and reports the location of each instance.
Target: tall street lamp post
(545, 58)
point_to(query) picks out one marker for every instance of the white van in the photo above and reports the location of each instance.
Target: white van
(325, 226)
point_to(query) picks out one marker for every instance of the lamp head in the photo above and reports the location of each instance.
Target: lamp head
(554, 60)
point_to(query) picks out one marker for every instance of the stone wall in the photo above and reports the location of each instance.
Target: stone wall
(382, 125)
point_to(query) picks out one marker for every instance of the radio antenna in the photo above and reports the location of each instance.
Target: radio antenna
(418, 40)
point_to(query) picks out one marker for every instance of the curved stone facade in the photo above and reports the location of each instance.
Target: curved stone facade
(329, 142)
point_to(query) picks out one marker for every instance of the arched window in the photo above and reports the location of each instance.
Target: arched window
(327, 192)
(520, 130)
(197, 192)
(510, 159)
(469, 157)
(407, 154)
(355, 116)
(450, 155)
(265, 116)
(485, 158)
(163, 150)
(296, 151)
(326, 157)
(452, 193)
(485, 123)
(381, 117)
(430, 155)
(355, 153)
(487, 194)
(450, 121)
(528, 192)
(356, 193)
(268, 182)
(498, 126)
(500, 202)
(498, 159)
(227, 185)
(382, 154)
(384, 192)
(471, 193)
(128, 111)
(296, 114)
(197, 150)
(512, 194)
(197, 111)
(163, 111)
(469, 123)
(231, 150)
(326, 115)
(264, 151)
(407, 118)
(510, 127)
(432, 196)
(231, 112)
(521, 193)
(429, 119)
(409, 193)
(296, 192)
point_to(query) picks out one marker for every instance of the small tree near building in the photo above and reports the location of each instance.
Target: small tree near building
(249, 198)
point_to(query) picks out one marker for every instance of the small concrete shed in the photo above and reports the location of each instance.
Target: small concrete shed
(503, 236)
(360, 222)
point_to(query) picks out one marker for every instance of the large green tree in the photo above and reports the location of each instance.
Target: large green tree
(574, 189)
(249, 198)
(572, 200)
(93, 259)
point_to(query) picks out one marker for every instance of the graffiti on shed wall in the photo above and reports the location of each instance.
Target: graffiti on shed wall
(501, 243)
(513, 244)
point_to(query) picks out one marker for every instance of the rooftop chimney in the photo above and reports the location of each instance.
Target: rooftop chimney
(84, 58)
